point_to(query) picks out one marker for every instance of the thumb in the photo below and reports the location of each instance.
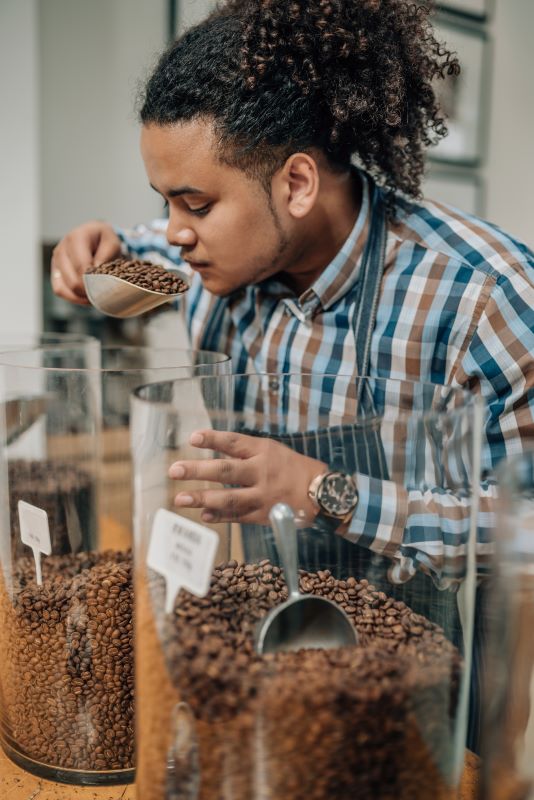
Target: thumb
(108, 246)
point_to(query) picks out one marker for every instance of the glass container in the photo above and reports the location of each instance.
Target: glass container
(508, 740)
(383, 719)
(66, 657)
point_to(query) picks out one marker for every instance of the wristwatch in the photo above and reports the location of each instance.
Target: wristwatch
(335, 495)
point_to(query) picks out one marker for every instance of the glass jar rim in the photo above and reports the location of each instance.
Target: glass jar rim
(14, 359)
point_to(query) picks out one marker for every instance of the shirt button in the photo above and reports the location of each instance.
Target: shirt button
(274, 384)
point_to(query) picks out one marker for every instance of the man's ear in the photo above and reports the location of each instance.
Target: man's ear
(300, 184)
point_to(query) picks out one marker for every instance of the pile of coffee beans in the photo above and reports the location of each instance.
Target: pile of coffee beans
(66, 669)
(372, 721)
(142, 273)
(67, 494)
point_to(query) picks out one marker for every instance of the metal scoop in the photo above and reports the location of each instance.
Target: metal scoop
(304, 621)
(119, 298)
(20, 413)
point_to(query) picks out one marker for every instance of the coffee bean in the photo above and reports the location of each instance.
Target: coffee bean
(142, 273)
(371, 721)
(61, 703)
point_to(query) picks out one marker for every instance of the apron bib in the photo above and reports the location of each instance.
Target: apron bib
(357, 448)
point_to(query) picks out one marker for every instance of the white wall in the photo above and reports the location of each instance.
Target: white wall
(192, 11)
(510, 168)
(20, 294)
(92, 56)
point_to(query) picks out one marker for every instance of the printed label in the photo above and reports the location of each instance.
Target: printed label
(183, 552)
(35, 533)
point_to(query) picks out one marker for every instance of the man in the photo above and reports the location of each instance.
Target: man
(303, 263)
(249, 124)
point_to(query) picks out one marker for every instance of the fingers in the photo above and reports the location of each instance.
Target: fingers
(218, 470)
(235, 445)
(62, 290)
(108, 246)
(223, 505)
(66, 280)
(83, 246)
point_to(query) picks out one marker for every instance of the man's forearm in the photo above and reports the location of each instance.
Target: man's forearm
(421, 528)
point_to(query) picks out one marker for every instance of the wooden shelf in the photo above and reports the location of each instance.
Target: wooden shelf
(15, 784)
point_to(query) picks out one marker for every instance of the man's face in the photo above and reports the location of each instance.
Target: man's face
(222, 219)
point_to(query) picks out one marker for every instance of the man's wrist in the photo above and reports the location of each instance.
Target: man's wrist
(334, 496)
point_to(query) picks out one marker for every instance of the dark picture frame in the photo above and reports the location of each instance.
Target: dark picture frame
(464, 98)
(477, 9)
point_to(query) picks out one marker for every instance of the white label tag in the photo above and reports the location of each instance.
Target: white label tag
(34, 532)
(183, 552)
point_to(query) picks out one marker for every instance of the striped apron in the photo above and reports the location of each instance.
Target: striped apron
(353, 448)
(357, 448)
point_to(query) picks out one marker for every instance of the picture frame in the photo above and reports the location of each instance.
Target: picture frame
(463, 98)
(464, 190)
(478, 9)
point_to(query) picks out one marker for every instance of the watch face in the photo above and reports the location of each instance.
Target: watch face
(337, 494)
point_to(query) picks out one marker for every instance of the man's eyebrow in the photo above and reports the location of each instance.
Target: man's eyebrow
(180, 191)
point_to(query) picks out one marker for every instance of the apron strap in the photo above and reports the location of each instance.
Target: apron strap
(368, 294)
(370, 455)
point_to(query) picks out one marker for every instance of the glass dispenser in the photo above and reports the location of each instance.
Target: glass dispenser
(508, 740)
(66, 630)
(385, 718)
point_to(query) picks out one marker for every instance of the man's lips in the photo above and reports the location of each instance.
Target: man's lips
(197, 264)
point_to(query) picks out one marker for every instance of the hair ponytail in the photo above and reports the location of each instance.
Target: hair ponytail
(351, 77)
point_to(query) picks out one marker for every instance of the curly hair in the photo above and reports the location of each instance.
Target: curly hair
(352, 78)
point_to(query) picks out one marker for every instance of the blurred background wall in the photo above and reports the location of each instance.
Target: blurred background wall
(69, 139)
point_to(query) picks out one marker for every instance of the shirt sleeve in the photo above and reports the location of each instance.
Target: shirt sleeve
(426, 526)
(142, 240)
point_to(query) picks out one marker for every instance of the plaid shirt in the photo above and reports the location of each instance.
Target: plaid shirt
(456, 307)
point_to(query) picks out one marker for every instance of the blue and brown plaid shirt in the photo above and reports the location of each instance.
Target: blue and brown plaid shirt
(456, 307)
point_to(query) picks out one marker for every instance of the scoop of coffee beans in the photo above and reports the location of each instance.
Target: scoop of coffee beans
(66, 670)
(142, 273)
(372, 722)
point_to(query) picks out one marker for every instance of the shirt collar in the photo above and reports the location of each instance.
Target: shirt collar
(343, 271)
(338, 277)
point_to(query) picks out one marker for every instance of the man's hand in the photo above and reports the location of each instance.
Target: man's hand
(261, 472)
(85, 246)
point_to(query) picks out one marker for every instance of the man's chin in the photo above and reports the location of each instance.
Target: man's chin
(219, 289)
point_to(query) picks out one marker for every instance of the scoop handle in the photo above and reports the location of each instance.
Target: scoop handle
(285, 537)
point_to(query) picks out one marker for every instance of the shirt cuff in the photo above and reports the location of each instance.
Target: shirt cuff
(379, 520)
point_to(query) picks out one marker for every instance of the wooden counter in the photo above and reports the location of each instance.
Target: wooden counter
(15, 784)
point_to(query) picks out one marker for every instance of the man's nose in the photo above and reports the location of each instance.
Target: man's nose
(180, 235)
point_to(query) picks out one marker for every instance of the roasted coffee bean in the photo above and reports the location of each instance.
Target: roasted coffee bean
(142, 273)
(66, 671)
(372, 722)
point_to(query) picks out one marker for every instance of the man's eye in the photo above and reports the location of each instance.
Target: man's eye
(200, 211)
